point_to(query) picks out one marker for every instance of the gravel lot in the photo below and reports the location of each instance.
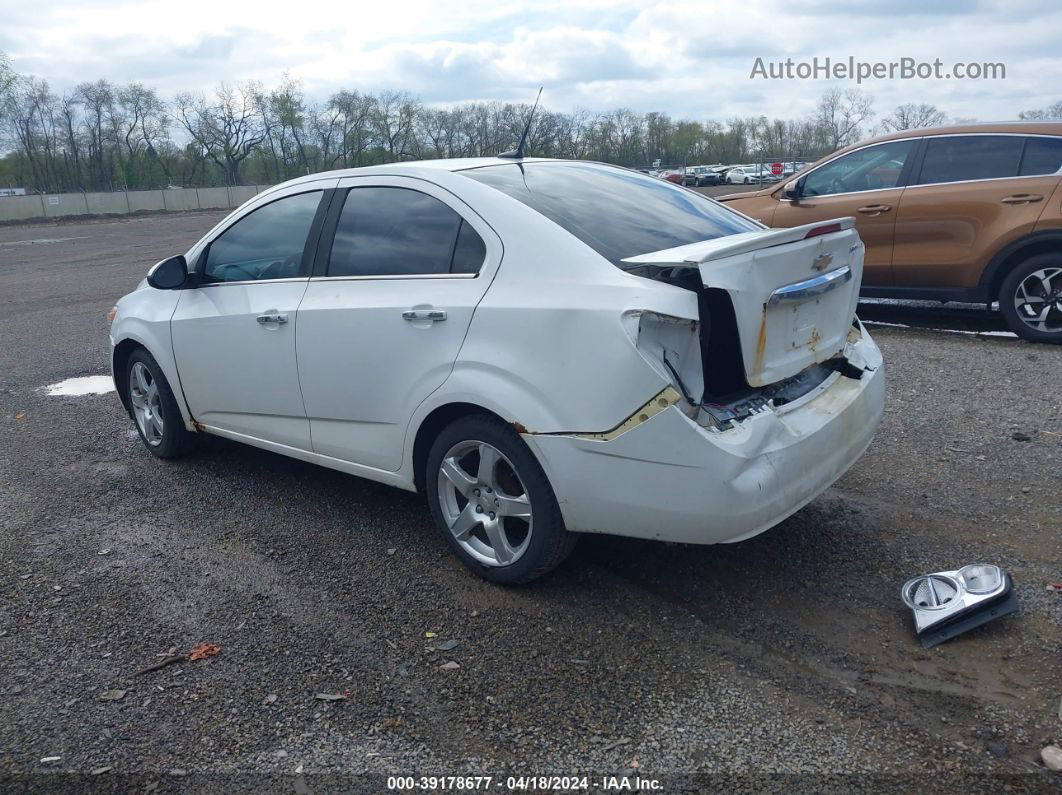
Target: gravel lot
(790, 653)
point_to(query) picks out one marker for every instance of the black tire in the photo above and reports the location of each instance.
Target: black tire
(550, 543)
(176, 440)
(1009, 289)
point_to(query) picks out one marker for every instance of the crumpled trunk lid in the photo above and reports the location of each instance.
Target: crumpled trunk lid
(794, 291)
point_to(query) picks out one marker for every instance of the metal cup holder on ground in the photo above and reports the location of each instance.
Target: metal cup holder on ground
(948, 603)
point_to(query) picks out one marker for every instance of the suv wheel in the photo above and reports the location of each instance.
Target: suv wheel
(493, 503)
(1030, 299)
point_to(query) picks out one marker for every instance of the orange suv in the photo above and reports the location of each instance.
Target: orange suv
(970, 213)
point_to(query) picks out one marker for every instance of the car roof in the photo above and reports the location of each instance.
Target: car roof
(973, 128)
(414, 166)
(981, 128)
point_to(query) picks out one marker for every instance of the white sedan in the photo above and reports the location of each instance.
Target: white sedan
(746, 175)
(541, 347)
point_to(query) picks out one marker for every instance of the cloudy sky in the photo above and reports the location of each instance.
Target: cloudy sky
(688, 59)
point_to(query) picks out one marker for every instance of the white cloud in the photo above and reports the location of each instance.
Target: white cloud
(689, 59)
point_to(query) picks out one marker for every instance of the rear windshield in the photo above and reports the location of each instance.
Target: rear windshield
(616, 212)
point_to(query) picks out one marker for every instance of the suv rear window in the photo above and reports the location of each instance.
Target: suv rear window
(1042, 156)
(616, 212)
(966, 157)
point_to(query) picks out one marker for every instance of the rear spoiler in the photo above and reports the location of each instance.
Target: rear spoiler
(742, 243)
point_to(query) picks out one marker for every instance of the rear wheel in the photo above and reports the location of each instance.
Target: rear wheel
(154, 408)
(1030, 299)
(493, 503)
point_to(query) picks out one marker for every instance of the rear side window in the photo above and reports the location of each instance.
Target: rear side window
(1041, 156)
(385, 231)
(267, 243)
(954, 159)
(469, 251)
(616, 212)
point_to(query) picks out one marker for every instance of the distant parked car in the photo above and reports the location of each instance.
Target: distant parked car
(434, 326)
(677, 177)
(969, 213)
(745, 175)
(722, 171)
(700, 176)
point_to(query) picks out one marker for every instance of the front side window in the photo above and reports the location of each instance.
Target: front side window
(872, 168)
(267, 243)
(618, 213)
(386, 231)
(1041, 156)
(967, 157)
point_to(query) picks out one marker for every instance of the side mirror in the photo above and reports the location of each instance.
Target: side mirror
(792, 191)
(170, 274)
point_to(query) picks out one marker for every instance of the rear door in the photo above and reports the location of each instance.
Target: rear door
(234, 334)
(402, 265)
(972, 194)
(866, 184)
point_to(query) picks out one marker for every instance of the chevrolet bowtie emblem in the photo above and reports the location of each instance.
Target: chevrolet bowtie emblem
(822, 262)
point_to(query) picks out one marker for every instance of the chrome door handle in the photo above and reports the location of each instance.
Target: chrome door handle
(272, 317)
(874, 209)
(424, 314)
(1022, 198)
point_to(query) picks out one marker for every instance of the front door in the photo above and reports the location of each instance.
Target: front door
(234, 334)
(380, 327)
(865, 184)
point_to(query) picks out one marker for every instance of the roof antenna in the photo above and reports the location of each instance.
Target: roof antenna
(518, 152)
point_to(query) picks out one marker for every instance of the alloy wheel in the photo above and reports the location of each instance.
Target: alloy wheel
(1038, 300)
(147, 403)
(484, 503)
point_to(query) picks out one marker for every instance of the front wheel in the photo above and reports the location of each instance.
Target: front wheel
(1030, 299)
(154, 408)
(493, 503)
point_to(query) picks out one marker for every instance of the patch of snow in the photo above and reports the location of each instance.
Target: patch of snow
(85, 385)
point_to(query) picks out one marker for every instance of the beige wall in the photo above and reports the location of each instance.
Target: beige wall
(59, 205)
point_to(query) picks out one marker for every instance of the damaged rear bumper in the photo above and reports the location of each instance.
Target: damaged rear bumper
(671, 479)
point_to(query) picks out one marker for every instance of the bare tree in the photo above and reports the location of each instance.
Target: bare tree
(8, 82)
(145, 124)
(393, 119)
(355, 111)
(69, 109)
(285, 127)
(229, 129)
(1044, 114)
(840, 116)
(912, 117)
(97, 99)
